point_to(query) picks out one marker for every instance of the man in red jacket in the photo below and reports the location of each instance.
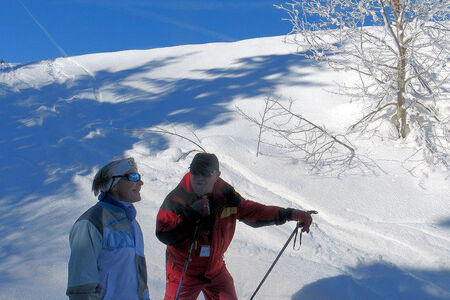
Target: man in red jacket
(202, 199)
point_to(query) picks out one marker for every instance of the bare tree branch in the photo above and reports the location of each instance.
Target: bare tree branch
(163, 131)
(294, 133)
(371, 114)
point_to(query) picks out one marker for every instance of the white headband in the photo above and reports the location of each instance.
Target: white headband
(122, 166)
(117, 169)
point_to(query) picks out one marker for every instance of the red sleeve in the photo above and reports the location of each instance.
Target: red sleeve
(256, 214)
(166, 220)
(175, 221)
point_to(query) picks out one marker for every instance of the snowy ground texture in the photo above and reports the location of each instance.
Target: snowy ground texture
(383, 232)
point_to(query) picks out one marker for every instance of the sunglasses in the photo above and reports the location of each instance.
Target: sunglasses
(134, 177)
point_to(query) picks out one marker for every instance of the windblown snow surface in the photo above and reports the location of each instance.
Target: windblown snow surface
(383, 226)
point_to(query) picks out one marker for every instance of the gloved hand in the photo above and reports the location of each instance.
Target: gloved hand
(202, 206)
(303, 217)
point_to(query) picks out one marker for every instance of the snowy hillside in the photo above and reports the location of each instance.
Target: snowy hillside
(382, 232)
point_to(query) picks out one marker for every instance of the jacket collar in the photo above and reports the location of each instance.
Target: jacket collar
(129, 209)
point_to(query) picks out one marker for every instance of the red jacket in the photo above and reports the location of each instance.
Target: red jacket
(176, 222)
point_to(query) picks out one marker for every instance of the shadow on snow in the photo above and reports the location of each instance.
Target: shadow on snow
(380, 282)
(51, 134)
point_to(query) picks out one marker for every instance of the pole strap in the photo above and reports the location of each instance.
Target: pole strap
(299, 239)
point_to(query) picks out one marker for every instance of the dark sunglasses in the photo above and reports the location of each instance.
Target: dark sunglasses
(134, 177)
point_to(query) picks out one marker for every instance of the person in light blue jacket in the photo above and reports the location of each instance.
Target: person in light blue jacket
(107, 249)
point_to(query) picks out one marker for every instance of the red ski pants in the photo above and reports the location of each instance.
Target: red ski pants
(220, 287)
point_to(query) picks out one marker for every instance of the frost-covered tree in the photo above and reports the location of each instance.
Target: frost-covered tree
(398, 48)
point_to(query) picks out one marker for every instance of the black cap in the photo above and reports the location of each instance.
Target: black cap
(204, 164)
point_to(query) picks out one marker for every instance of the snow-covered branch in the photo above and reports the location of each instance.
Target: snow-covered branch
(399, 49)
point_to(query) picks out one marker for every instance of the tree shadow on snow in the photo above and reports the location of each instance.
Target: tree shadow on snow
(380, 282)
(52, 133)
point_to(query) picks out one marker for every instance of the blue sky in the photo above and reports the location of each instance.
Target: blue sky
(32, 30)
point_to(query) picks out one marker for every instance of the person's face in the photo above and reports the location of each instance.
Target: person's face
(127, 191)
(202, 185)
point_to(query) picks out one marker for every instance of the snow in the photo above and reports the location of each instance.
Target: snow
(382, 231)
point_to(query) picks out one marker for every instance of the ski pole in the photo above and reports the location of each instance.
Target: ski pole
(186, 263)
(295, 232)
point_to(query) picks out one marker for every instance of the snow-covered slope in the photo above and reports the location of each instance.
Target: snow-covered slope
(381, 233)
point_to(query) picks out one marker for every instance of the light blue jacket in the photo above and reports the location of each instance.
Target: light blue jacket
(107, 255)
